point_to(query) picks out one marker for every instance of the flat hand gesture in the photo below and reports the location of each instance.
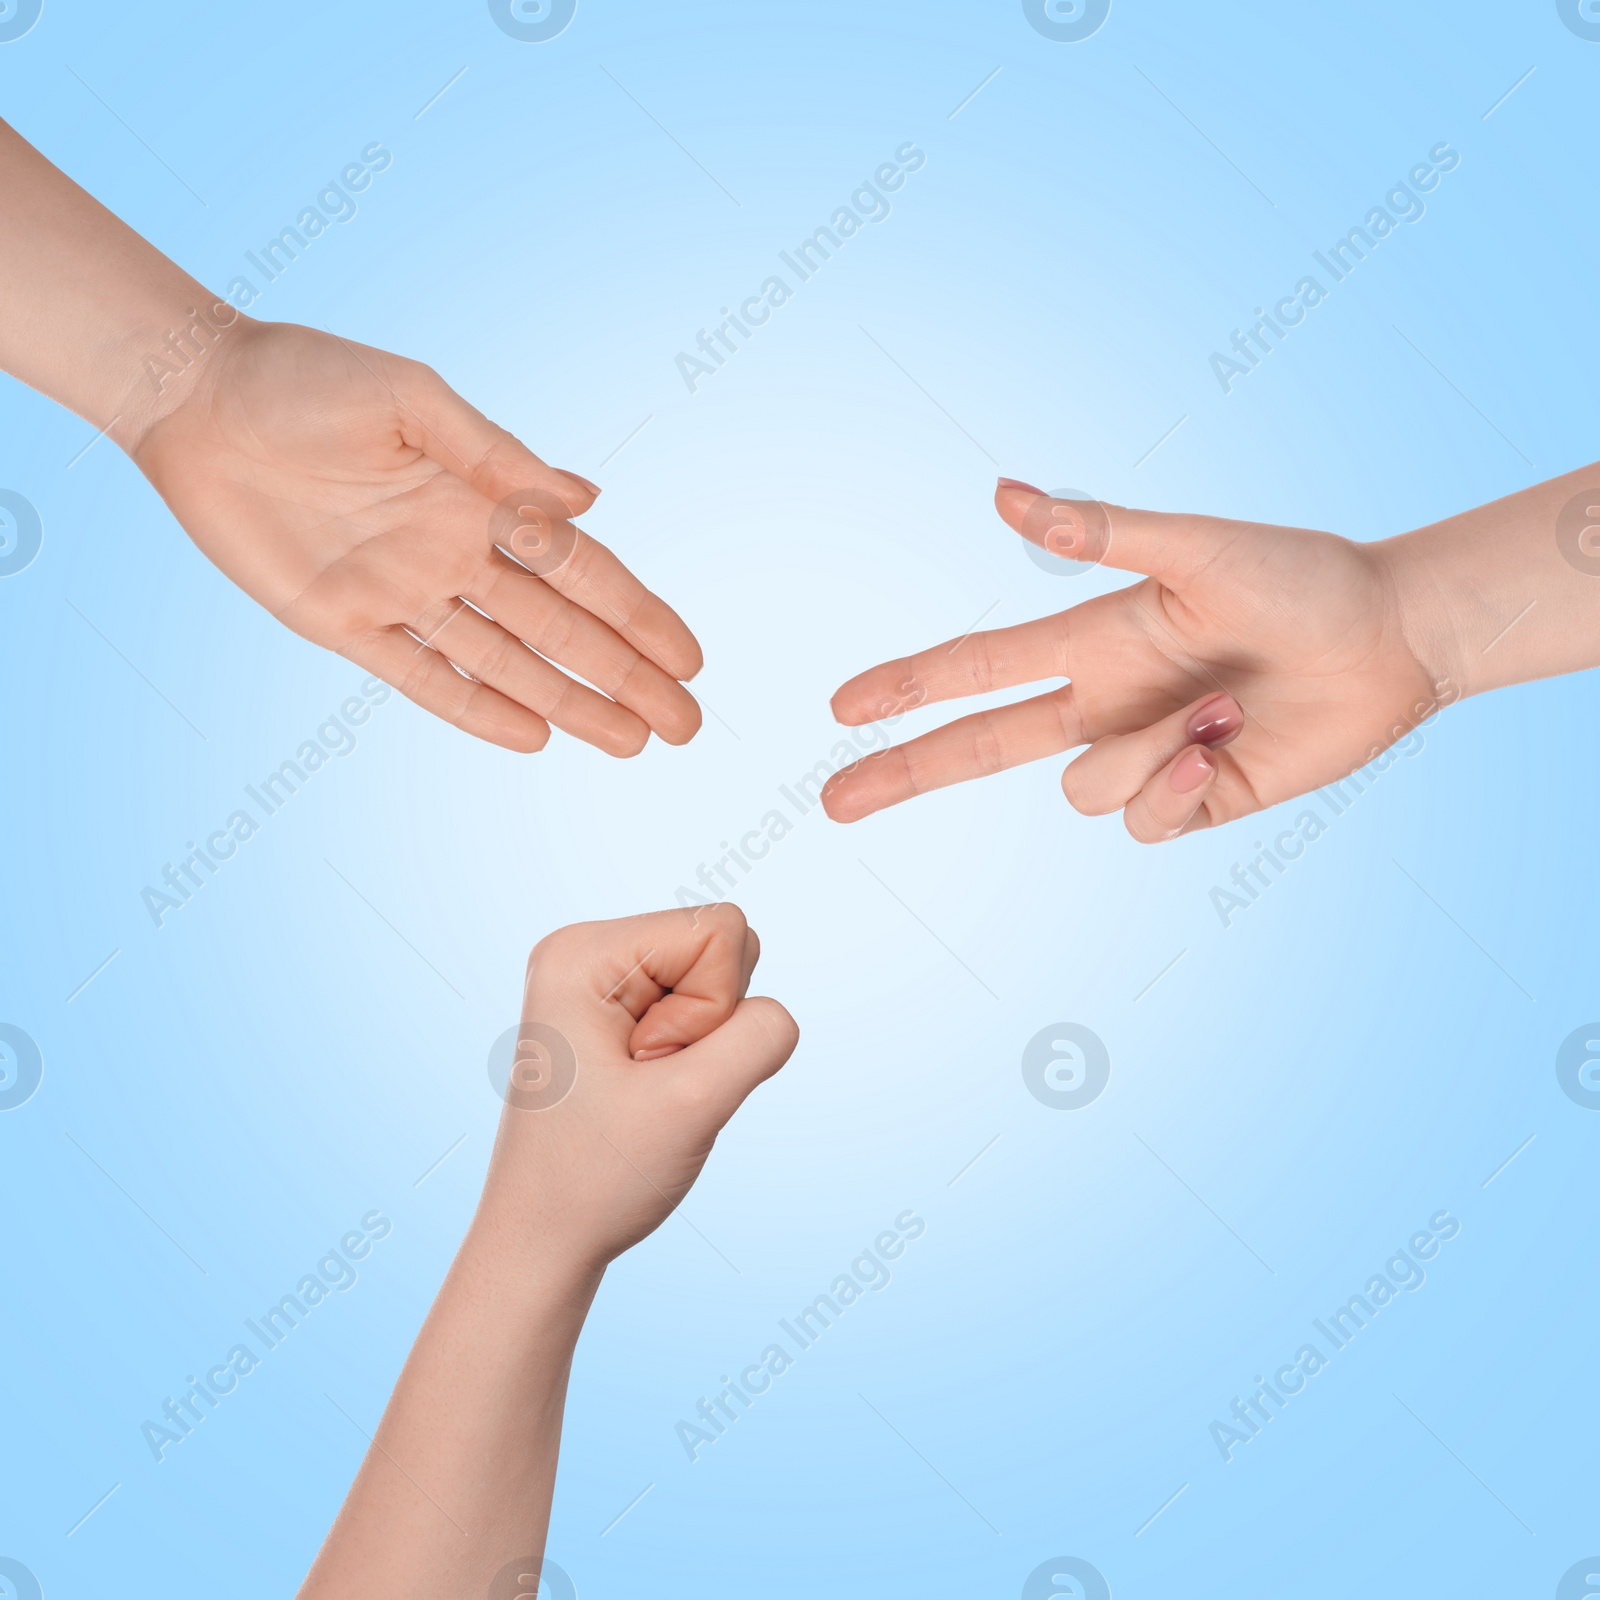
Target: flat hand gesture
(367, 506)
(1251, 664)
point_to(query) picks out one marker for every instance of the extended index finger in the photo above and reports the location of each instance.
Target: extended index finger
(970, 747)
(972, 664)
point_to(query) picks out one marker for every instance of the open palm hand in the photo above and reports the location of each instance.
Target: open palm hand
(368, 507)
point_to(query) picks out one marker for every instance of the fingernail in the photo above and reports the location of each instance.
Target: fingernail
(656, 1055)
(1216, 721)
(577, 477)
(1193, 768)
(1017, 483)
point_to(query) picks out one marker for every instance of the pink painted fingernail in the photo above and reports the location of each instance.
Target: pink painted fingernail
(1017, 483)
(1193, 768)
(1215, 721)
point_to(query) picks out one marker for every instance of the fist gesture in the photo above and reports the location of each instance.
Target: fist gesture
(636, 1045)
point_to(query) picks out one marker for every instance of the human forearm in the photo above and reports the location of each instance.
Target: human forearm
(1506, 592)
(458, 1481)
(88, 309)
(455, 1492)
(350, 491)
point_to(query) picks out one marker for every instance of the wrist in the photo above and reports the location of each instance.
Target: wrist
(528, 1266)
(1506, 592)
(1433, 612)
(98, 318)
(166, 362)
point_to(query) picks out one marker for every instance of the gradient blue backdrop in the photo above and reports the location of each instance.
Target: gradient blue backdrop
(1365, 1046)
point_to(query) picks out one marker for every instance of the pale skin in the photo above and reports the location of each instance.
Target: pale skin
(666, 1046)
(1249, 664)
(372, 510)
(349, 491)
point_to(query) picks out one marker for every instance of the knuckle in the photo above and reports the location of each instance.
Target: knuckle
(580, 564)
(562, 946)
(918, 774)
(726, 918)
(988, 751)
(1142, 829)
(461, 713)
(1060, 641)
(1079, 792)
(418, 381)
(629, 675)
(980, 661)
(547, 951)
(462, 565)
(509, 657)
(557, 634)
(415, 674)
(426, 624)
(560, 701)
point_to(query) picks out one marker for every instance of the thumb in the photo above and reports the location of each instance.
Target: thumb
(495, 462)
(1164, 545)
(723, 1068)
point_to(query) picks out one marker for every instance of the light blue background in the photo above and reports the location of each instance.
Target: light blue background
(1287, 1104)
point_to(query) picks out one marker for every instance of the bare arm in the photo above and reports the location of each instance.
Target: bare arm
(638, 1045)
(351, 492)
(458, 1481)
(1249, 663)
(1509, 591)
(84, 301)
